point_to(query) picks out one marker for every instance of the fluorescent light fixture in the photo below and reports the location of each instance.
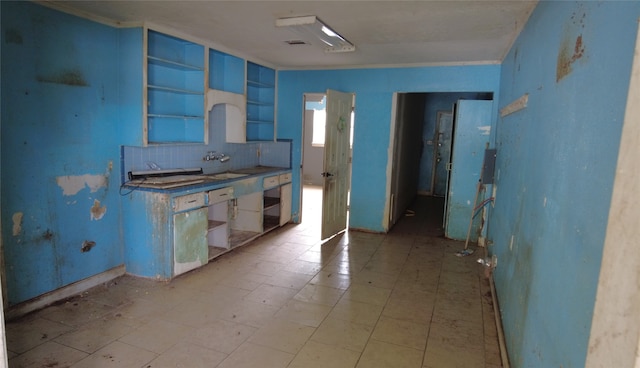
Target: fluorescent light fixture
(312, 26)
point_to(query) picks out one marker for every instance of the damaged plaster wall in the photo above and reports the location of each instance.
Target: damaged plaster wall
(555, 167)
(59, 143)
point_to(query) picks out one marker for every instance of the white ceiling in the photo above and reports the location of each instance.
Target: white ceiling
(385, 32)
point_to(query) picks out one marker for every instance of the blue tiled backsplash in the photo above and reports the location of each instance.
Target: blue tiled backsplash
(242, 155)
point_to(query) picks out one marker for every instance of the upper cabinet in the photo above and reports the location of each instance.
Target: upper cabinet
(261, 85)
(175, 90)
(226, 72)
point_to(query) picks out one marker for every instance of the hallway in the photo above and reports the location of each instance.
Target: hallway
(361, 300)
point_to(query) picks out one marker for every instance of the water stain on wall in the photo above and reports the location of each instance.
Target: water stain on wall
(567, 56)
(97, 212)
(572, 46)
(69, 77)
(17, 223)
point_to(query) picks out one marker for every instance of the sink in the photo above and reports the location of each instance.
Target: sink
(225, 176)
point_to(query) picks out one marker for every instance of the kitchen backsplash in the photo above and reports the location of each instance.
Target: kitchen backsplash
(242, 155)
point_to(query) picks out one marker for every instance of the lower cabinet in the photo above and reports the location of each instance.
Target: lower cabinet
(245, 221)
(166, 235)
(277, 206)
(190, 249)
(218, 221)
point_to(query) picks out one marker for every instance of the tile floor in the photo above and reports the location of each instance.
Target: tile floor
(359, 300)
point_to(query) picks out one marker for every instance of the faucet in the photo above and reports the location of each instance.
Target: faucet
(213, 155)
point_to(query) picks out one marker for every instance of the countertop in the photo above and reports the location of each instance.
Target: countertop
(201, 182)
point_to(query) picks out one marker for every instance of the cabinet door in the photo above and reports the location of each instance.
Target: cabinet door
(190, 248)
(285, 204)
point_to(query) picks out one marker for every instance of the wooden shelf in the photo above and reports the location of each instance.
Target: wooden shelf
(238, 237)
(174, 90)
(270, 202)
(214, 224)
(271, 222)
(154, 60)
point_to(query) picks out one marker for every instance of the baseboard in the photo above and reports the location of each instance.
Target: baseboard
(504, 356)
(62, 293)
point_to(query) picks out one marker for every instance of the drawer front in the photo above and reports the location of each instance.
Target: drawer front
(220, 195)
(270, 182)
(285, 178)
(188, 202)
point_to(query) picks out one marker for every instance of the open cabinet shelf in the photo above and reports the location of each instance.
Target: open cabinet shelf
(175, 90)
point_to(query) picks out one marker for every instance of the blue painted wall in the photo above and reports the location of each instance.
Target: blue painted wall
(374, 89)
(556, 161)
(59, 149)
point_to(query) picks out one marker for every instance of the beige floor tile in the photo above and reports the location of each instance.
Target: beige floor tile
(191, 313)
(247, 281)
(156, 336)
(372, 278)
(261, 267)
(379, 354)
(308, 314)
(343, 268)
(255, 356)
(223, 336)
(332, 279)
(317, 256)
(140, 311)
(458, 310)
(271, 295)
(49, 354)
(288, 279)
(400, 332)
(358, 312)
(309, 268)
(186, 355)
(169, 295)
(95, 335)
(219, 295)
(318, 355)
(367, 294)
(76, 312)
(344, 334)
(319, 294)
(437, 356)
(25, 334)
(458, 333)
(117, 354)
(283, 335)
(408, 310)
(249, 313)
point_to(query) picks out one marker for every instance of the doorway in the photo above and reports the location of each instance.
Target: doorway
(434, 111)
(316, 171)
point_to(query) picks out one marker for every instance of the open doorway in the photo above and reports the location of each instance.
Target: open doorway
(316, 171)
(422, 132)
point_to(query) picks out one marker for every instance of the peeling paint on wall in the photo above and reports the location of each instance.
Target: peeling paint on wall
(485, 130)
(71, 185)
(97, 212)
(17, 223)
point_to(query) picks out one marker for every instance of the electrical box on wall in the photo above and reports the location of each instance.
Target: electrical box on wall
(489, 166)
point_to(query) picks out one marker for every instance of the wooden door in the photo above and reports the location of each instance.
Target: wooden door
(336, 163)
